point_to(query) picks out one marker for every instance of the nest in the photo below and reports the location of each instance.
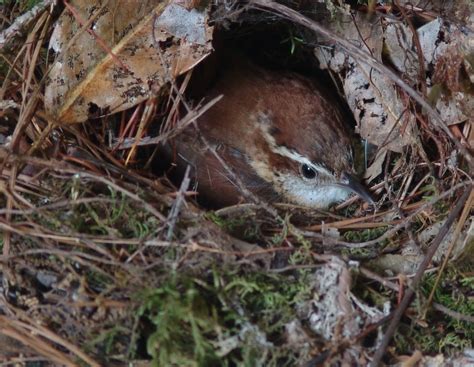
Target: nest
(106, 261)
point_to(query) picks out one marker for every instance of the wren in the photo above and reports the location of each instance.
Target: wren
(281, 135)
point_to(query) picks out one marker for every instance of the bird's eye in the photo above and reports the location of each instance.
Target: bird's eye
(308, 172)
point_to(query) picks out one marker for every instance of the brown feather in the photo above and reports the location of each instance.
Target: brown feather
(293, 111)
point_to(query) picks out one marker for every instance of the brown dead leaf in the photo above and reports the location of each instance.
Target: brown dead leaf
(134, 49)
(379, 111)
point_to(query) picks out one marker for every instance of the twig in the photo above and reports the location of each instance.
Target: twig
(99, 40)
(454, 314)
(454, 239)
(419, 49)
(57, 205)
(379, 354)
(394, 287)
(174, 212)
(22, 22)
(191, 117)
(82, 258)
(391, 231)
(110, 182)
(374, 276)
(325, 355)
(42, 339)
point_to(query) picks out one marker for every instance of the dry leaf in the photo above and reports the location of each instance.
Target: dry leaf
(150, 43)
(375, 168)
(445, 49)
(375, 103)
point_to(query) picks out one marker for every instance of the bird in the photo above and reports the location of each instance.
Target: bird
(280, 135)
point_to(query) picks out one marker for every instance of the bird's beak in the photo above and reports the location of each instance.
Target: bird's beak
(351, 183)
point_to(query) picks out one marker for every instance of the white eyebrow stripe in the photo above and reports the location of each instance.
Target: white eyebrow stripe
(295, 156)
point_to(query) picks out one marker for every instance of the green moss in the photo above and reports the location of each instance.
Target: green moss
(448, 335)
(185, 323)
(111, 214)
(364, 235)
(229, 319)
(108, 339)
(244, 226)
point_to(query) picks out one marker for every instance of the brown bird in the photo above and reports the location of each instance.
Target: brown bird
(281, 136)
